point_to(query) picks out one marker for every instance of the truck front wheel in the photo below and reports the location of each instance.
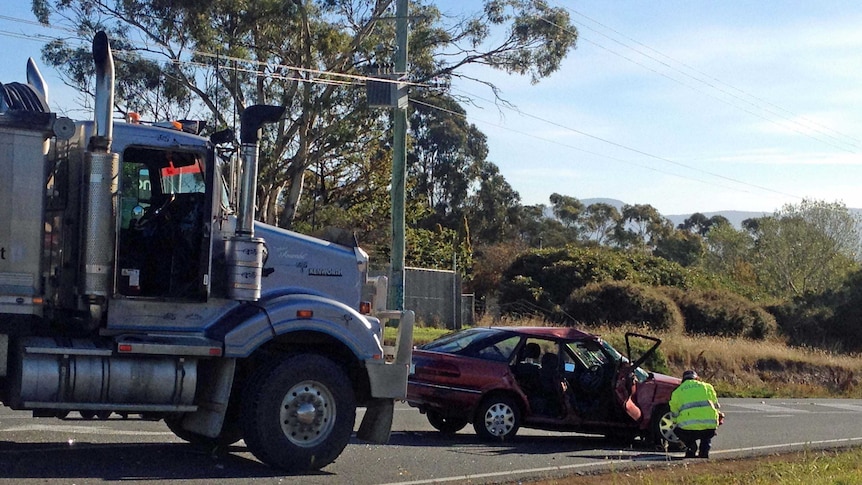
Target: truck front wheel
(299, 413)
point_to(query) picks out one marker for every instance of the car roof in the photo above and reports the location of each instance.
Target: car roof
(566, 333)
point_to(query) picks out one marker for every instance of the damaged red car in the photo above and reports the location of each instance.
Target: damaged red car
(501, 379)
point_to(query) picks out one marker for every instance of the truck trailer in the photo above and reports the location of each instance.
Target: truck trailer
(134, 280)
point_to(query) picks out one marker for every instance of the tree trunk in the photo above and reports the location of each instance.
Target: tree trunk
(296, 182)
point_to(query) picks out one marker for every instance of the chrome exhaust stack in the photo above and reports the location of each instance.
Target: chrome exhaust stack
(35, 79)
(245, 252)
(100, 186)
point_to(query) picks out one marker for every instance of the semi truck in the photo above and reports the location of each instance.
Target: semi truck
(134, 281)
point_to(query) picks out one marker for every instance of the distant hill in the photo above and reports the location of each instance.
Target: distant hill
(735, 217)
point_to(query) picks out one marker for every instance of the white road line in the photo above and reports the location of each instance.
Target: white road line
(82, 430)
(482, 476)
(768, 408)
(847, 407)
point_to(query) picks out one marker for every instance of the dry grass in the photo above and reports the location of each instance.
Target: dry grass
(801, 468)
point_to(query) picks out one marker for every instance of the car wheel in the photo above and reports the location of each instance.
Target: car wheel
(298, 414)
(497, 419)
(662, 429)
(445, 424)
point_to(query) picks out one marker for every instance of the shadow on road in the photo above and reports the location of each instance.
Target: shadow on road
(127, 461)
(601, 447)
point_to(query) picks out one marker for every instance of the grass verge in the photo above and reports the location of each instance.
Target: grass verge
(818, 467)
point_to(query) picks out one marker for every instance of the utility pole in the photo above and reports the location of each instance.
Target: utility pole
(399, 165)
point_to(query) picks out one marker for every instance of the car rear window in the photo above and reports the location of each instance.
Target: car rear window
(455, 342)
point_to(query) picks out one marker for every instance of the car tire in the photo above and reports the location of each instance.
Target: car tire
(445, 424)
(662, 429)
(298, 413)
(497, 419)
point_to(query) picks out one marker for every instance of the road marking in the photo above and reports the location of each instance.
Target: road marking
(509, 473)
(768, 408)
(847, 407)
(82, 430)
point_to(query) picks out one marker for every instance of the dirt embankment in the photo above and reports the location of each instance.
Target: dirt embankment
(775, 377)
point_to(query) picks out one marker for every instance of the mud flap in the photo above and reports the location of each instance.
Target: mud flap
(377, 424)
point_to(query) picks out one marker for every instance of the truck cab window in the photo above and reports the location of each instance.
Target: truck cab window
(162, 241)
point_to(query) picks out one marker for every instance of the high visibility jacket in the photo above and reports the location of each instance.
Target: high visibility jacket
(694, 405)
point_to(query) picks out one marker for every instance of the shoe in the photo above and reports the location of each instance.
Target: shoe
(690, 454)
(703, 455)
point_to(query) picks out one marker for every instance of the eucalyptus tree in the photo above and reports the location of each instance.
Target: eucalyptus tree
(183, 57)
(641, 226)
(568, 211)
(599, 220)
(805, 248)
(445, 160)
(494, 211)
(698, 223)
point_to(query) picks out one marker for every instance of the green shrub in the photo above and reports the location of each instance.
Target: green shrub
(722, 313)
(831, 320)
(524, 297)
(545, 278)
(657, 362)
(622, 302)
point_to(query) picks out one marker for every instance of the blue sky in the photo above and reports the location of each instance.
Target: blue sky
(685, 105)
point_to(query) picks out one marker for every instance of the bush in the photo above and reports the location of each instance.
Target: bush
(545, 278)
(831, 320)
(722, 313)
(621, 302)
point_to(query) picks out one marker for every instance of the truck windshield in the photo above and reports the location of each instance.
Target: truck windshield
(182, 180)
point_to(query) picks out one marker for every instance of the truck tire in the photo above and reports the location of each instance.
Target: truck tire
(445, 424)
(298, 414)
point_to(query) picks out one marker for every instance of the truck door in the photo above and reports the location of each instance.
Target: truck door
(164, 235)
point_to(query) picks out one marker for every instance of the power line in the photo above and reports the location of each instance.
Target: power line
(353, 78)
(853, 141)
(572, 147)
(319, 72)
(798, 128)
(639, 151)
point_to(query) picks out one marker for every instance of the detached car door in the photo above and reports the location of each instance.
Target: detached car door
(626, 380)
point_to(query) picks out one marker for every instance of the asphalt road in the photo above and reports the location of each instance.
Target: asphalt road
(75, 451)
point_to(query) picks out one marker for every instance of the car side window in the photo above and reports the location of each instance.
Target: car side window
(500, 351)
(589, 354)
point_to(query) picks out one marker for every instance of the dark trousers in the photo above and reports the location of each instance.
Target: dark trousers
(690, 438)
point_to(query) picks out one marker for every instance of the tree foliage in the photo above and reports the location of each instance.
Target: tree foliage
(640, 227)
(806, 248)
(180, 57)
(599, 220)
(541, 280)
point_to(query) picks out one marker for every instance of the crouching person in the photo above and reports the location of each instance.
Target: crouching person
(696, 414)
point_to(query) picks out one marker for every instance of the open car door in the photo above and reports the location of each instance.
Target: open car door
(626, 384)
